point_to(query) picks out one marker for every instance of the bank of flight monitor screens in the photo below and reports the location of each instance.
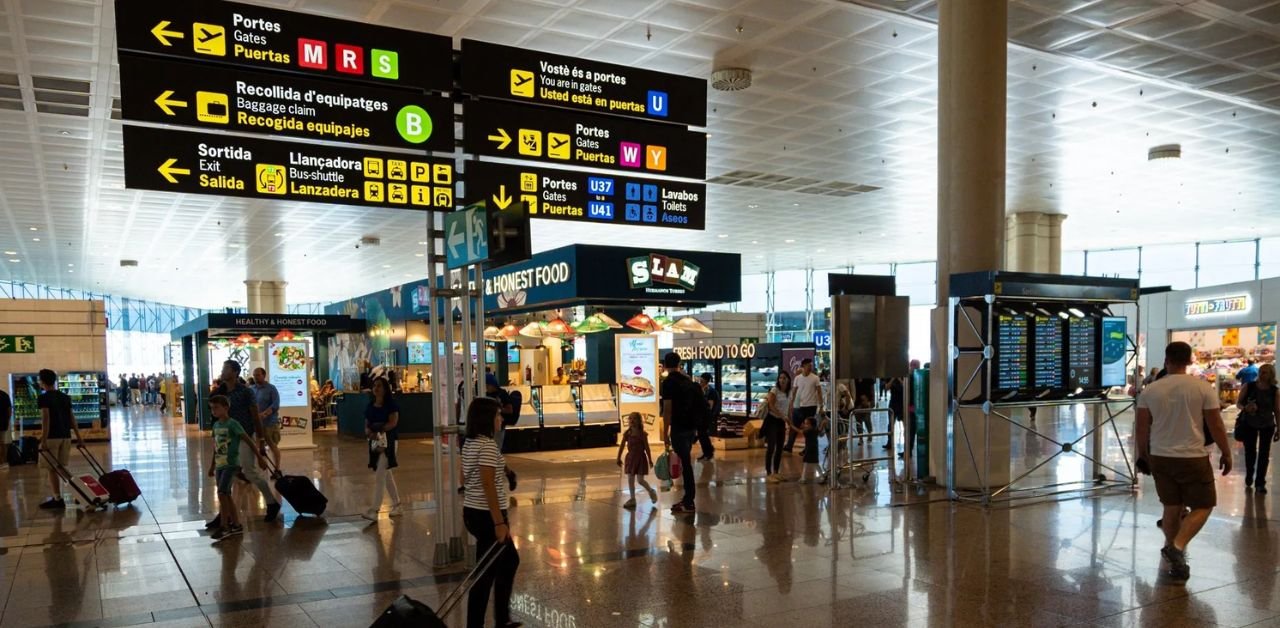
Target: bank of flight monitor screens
(1043, 354)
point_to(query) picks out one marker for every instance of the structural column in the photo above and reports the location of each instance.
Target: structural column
(265, 297)
(1033, 242)
(253, 296)
(972, 49)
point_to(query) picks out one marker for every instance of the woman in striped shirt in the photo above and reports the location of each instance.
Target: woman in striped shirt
(484, 512)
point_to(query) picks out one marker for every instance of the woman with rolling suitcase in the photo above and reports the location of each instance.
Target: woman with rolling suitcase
(484, 512)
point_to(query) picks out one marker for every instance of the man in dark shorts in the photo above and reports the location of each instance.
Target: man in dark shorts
(1173, 414)
(683, 407)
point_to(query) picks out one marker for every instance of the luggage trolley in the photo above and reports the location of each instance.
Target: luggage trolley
(842, 466)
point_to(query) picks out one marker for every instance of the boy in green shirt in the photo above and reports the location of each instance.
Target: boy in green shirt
(227, 435)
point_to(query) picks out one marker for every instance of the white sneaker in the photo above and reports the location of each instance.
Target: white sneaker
(370, 514)
(396, 511)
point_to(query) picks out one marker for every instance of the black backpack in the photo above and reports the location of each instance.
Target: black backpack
(517, 401)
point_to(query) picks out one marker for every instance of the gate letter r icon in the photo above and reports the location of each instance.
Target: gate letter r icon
(659, 104)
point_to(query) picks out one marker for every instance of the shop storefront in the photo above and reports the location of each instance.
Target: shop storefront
(553, 323)
(1226, 326)
(292, 349)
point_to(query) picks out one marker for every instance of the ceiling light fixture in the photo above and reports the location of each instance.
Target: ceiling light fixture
(1164, 151)
(789, 241)
(35, 239)
(731, 79)
(33, 228)
(10, 252)
(723, 235)
(234, 246)
(15, 260)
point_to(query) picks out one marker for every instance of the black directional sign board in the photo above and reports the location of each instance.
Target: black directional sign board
(271, 39)
(585, 197)
(225, 165)
(494, 71)
(561, 136)
(154, 89)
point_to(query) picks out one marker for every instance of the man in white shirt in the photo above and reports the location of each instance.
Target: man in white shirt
(806, 400)
(1173, 414)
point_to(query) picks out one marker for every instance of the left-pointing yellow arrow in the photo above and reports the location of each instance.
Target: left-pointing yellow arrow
(166, 102)
(167, 170)
(163, 36)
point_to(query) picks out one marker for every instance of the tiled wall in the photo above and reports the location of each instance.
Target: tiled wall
(70, 336)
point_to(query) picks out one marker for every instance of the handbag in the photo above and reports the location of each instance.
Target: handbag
(662, 466)
(378, 442)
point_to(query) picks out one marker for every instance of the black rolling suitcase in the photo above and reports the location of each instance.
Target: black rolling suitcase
(299, 492)
(406, 612)
(30, 447)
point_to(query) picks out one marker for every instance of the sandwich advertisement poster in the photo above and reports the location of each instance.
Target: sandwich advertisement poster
(637, 369)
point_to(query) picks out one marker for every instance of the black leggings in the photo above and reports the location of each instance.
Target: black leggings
(774, 433)
(1257, 453)
(501, 577)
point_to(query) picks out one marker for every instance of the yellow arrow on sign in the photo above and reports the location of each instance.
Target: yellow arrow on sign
(167, 170)
(502, 139)
(501, 199)
(165, 102)
(163, 35)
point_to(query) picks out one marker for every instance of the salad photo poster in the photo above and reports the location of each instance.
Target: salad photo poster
(287, 370)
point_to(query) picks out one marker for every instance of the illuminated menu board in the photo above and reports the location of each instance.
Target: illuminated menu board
(1082, 348)
(1011, 352)
(1049, 352)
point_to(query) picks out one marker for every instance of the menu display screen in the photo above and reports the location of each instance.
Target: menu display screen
(1082, 348)
(1011, 352)
(1115, 348)
(1049, 352)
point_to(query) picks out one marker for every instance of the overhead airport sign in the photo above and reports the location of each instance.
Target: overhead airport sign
(263, 38)
(224, 165)
(494, 71)
(579, 139)
(585, 197)
(231, 99)
(466, 237)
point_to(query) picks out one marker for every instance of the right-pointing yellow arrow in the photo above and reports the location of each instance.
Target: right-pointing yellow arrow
(167, 170)
(163, 35)
(502, 138)
(165, 102)
(501, 199)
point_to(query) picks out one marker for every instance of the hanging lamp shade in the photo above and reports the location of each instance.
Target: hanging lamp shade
(590, 325)
(245, 339)
(664, 324)
(690, 324)
(534, 330)
(493, 334)
(558, 328)
(285, 334)
(643, 322)
(607, 320)
(509, 331)
(263, 340)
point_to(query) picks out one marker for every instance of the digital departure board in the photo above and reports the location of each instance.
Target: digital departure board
(1011, 352)
(1082, 353)
(1049, 353)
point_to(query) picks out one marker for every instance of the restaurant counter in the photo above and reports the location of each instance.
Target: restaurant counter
(415, 412)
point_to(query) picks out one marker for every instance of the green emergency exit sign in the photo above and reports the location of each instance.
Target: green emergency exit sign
(17, 344)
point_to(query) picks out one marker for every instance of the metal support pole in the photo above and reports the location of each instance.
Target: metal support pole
(459, 281)
(438, 397)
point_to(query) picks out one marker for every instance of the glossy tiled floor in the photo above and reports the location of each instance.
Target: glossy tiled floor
(755, 554)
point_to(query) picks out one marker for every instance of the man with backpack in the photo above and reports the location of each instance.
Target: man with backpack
(510, 402)
(683, 408)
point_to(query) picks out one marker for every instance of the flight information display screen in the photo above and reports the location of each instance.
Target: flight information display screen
(1082, 352)
(1012, 337)
(1049, 352)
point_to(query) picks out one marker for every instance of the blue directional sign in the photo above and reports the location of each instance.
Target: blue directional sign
(466, 237)
(822, 340)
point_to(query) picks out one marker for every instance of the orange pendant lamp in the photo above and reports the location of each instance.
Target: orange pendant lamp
(644, 322)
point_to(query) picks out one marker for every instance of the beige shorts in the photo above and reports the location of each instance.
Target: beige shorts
(59, 448)
(271, 434)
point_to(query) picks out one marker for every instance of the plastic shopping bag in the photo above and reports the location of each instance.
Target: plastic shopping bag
(676, 467)
(662, 466)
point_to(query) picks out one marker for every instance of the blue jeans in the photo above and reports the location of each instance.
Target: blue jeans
(682, 445)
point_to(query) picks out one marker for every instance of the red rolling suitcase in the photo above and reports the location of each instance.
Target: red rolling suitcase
(119, 484)
(89, 492)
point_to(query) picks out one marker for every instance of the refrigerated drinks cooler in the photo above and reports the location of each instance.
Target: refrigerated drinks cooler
(88, 403)
(743, 383)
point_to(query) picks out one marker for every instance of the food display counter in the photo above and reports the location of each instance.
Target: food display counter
(564, 417)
